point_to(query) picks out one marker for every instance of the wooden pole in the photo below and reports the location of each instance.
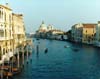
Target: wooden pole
(18, 57)
(23, 55)
(27, 54)
(2, 64)
(31, 53)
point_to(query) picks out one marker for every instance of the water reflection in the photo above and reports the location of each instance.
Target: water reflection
(37, 51)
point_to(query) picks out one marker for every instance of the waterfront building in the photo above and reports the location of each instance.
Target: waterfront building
(76, 32)
(57, 32)
(18, 30)
(43, 27)
(69, 35)
(41, 32)
(5, 31)
(50, 27)
(89, 31)
(48, 32)
(83, 33)
(97, 37)
(12, 31)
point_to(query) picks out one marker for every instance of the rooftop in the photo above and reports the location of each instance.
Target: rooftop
(6, 6)
(89, 25)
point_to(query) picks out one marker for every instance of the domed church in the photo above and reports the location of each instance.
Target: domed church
(43, 27)
(50, 27)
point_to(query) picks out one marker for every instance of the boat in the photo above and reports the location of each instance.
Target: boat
(5, 68)
(75, 49)
(66, 46)
(15, 71)
(46, 50)
(37, 38)
(7, 74)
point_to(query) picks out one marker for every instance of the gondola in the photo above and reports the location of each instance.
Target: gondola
(46, 50)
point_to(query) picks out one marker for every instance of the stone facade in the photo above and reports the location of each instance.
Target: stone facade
(97, 37)
(11, 29)
(76, 32)
(89, 31)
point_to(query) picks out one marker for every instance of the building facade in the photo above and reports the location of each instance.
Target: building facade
(18, 29)
(76, 32)
(5, 30)
(89, 31)
(43, 27)
(11, 28)
(97, 37)
(83, 33)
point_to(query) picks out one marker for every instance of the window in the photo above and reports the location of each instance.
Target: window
(5, 16)
(1, 33)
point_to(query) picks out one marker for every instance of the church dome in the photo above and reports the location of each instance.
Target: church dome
(43, 27)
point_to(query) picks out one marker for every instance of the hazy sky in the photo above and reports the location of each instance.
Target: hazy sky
(62, 14)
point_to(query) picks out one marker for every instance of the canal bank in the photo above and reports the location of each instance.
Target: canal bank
(62, 63)
(13, 62)
(67, 40)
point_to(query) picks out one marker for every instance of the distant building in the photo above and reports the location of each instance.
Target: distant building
(57, 32)
(97, 36)
(50, 27)
(43, 27)
(48, 32)
(89, 31)
(76, 32)
(83, 33)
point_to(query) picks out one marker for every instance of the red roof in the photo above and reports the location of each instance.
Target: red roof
(89, 25)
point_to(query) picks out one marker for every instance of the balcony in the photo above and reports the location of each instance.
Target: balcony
(2, 28)
(19, 33)
(2, 38)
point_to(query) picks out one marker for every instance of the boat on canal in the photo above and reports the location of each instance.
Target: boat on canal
(66, 46)
(75, 49)
(46, 50)
(37, 38)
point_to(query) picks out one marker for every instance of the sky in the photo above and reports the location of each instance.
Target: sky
(62, 14)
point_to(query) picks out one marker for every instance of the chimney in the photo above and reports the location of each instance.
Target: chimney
(7, 5)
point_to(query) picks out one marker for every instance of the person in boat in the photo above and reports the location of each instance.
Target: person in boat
(46, 50)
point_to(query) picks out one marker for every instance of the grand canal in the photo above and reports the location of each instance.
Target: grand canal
(62, 62)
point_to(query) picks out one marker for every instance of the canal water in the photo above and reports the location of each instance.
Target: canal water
(62, 61)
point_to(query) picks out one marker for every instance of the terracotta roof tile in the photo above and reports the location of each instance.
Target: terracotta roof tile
(89, 25)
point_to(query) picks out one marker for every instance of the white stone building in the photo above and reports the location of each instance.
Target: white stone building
(77, 32)
(43, 27)
(97, 36)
